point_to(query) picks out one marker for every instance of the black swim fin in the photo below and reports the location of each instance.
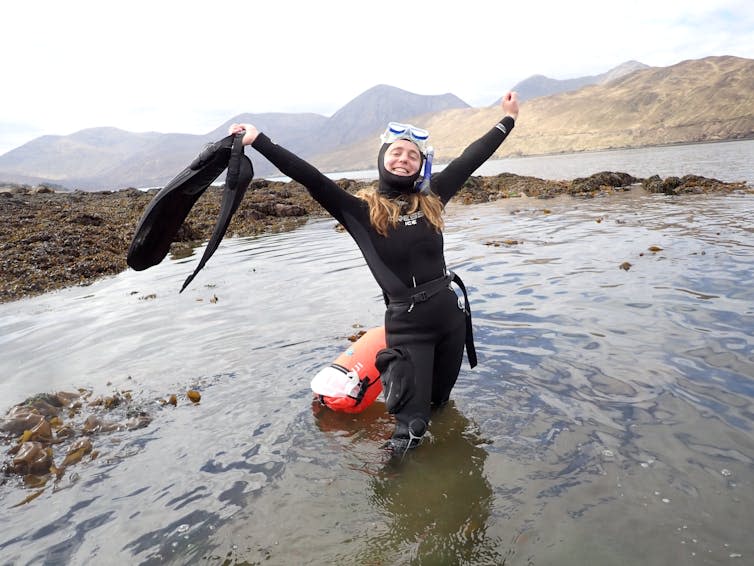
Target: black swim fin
(166, 212)
(240, 173)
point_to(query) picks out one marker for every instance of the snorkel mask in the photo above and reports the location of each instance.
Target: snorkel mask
(397, 131)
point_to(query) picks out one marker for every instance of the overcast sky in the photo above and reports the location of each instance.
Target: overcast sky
(187, 66)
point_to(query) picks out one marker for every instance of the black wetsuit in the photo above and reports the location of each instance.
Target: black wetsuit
(433, 332)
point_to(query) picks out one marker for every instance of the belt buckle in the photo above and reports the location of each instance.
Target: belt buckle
(420, 297)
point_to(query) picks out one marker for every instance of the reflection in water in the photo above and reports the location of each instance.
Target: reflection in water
(436, 501)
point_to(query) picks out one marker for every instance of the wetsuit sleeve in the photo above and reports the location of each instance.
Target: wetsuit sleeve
(322, 189)
(448, 182)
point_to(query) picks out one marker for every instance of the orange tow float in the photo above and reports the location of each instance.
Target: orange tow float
(351, 383)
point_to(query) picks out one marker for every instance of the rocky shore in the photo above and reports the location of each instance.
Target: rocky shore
(50, 240)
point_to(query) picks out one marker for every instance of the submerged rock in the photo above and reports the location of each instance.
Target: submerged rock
(19, 419)
(52, 427)
(32, 458)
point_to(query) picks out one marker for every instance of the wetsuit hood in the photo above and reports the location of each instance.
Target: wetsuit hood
(392, 185)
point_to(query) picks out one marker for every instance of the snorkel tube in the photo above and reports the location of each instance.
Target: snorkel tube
(423, 185)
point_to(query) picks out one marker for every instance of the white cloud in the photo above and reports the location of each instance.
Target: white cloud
(187, 66)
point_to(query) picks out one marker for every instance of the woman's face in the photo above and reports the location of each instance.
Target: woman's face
(402, 158)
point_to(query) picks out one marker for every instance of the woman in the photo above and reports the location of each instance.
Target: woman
(398, 228)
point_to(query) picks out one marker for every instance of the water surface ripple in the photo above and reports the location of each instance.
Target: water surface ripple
(608, 422)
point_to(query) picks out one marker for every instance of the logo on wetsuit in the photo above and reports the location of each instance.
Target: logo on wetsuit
(411, 219)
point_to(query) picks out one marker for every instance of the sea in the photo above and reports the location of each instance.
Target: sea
(729, 161)
(610, 420)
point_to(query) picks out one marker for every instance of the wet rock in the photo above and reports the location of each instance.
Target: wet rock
(50, 404)
(689, 184)
(88, 220)
(19, 419)
(652, 184)
(600, 181)
(670, 185)
(95, 423)
(355, 337)
(131, 192)
(139, 421)
(34, 481)
(279, 209)
(257, 184)
(188, 233)
(40, 433)
(289, 210)
(16, 189)
(32, 458)
(498, 243)
(77, 451)
(65, 432)
(50, 240)
(107, 401)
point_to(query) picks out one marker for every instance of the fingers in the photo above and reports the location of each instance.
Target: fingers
(510, 104)
(249, 131)
(236, 128)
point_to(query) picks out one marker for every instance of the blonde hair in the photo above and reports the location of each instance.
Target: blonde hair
(385, 212)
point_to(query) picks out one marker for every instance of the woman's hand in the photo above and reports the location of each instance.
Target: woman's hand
(250, 135)
(510, 105)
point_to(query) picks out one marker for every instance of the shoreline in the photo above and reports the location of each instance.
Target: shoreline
(53, 240)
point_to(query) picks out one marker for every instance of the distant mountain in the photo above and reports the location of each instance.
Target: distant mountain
(108, 158)
(539, 85)
(105, 158)
(373, 109)
(621, 71)
(700, 100)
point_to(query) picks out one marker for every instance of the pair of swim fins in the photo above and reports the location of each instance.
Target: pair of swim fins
(166, 212)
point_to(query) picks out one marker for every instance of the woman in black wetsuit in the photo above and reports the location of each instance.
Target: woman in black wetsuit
(398, 228)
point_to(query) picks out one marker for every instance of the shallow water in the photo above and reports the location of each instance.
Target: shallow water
(609, 421)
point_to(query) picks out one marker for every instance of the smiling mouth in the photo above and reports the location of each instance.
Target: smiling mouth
(399, 171)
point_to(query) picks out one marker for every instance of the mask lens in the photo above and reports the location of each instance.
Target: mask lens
(419, 134)
(397, 129)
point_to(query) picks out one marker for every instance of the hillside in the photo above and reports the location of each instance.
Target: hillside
(700, 100)
(694, 101)
(108, 158)
(539, 85)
